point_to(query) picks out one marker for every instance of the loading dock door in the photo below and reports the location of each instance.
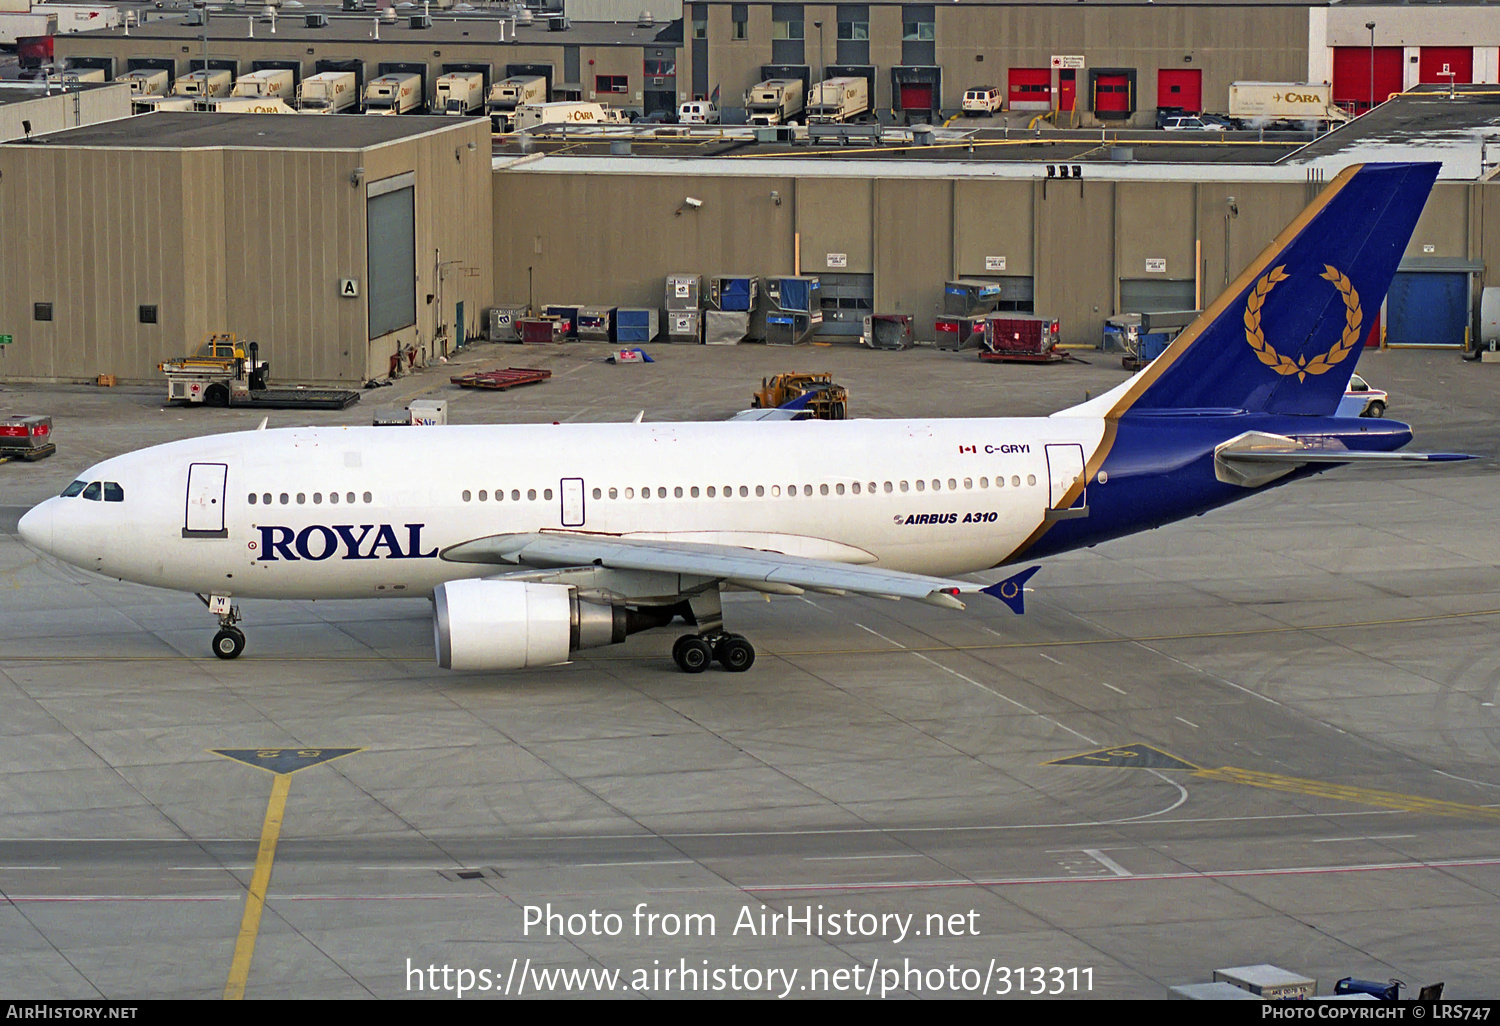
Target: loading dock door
(1112, 96)
(1180, 88)
(916, 96)
(1428, 308)
(1351, 75)
(205, 501)
(1029, 89)
(1438, 63)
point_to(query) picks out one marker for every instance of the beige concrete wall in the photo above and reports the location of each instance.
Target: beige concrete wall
(913, 253)
(1077, 239)
(992, 219)
(1155, 221)
(575, 240)
(53, 113)
(833, 220)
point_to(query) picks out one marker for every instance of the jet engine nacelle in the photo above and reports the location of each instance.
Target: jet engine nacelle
(510, 625)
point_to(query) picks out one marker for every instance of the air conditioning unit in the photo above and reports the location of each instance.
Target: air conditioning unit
(317, 21)
(421, 21)
(556, 24)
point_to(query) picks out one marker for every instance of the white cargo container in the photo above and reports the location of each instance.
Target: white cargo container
(73, 18)
(399, 93)
(1269, 982)
(508, 94)
(838, 100)
(203, 84)
(146, 82)
(151, 104)
(13, 26)
(562, 112)
(776, 101)
(328, 92)
(250, 105)
(1284, 102)
(76, 76)
(460, 93)
(266, 83)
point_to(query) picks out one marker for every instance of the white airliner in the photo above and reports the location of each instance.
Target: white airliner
(537, 541)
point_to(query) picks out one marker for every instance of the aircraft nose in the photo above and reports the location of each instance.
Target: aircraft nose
(36, 526)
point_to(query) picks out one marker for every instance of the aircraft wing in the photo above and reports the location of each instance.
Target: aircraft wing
(755, 569)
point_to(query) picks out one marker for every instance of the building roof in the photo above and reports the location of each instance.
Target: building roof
(1421, 125)
(21, 92)
(179, 130)
(447, 27)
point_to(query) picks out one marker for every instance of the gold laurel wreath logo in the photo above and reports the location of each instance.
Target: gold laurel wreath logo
(1302, 366)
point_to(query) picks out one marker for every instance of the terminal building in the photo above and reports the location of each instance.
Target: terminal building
(1104, 62)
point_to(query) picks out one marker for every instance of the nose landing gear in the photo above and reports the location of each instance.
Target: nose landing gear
(230, 641)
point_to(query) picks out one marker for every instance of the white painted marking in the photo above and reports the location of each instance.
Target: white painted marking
(1113, 688)
(1107, 862)
(882, 637)
(646, 862)
(1049, 659)
(997, 694)
(860, 858)
(1368, 837)
(1190, 723)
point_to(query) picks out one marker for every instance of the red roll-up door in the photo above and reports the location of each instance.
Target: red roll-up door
(1030, 89)
(1351, 75)
(916, 95)
(1180, 88)
(1112, 94)
(1438, 61)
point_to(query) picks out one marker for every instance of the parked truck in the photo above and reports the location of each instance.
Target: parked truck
(563, 112)
(266, 84)
(146, 82)
(76, 76)
(398, 93)
(776, 101)
(200, 84)
(838, 100)
(328, 92)
(249, 105)
(460, 93)
(73, 18)
(152, 104)
(508, 94)
(1283, 104)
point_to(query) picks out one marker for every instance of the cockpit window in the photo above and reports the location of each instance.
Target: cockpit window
(92, 491)
(73, 489)
(113, 492)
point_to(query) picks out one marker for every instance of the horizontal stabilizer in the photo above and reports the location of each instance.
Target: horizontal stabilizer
(1298, 457)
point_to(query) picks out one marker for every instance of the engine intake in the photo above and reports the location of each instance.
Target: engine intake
(511, 625)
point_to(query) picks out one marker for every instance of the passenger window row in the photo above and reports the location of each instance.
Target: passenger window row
(108, 491)
(286, 499)
(775, 491)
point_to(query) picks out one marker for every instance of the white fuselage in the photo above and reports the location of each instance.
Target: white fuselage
(935, 497)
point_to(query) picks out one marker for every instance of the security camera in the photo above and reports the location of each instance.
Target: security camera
(693, 202)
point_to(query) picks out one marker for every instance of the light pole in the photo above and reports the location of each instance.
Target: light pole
(819, 26)
(1371, 26)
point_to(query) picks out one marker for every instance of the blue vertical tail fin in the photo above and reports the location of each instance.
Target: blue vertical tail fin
(1284, 337)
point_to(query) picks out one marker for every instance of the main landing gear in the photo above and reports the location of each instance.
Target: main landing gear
(694, 652)
(230, 641)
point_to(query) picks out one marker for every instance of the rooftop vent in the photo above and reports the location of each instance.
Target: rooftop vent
(645, 20)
